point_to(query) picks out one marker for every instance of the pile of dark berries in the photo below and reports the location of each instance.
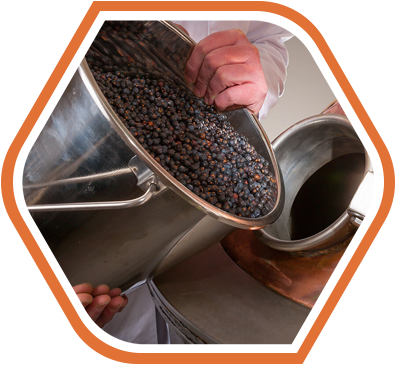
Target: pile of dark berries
(190, 140)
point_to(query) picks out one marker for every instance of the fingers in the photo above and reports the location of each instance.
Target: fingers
(114, 292)
(85, 299)
(99, 303)
(124, 304)
(110, 310)
(100, 289)
(226, 71)
(83, 288)
(240, 54)
(83, 292)
(207, 45)
(234, 97)
(228, 76)
(236, 86)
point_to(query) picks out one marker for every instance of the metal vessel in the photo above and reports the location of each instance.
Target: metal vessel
(111, 214)
(328, 190)
(328, 184)
(259, 286)
(107, 209)
(208, 299)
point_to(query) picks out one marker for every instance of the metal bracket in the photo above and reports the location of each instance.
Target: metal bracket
(143, 174)
(141, 171)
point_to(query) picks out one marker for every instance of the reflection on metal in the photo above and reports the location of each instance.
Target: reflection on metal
(158, 47)
(359, 206)
(140, 170)
(79, 179)
(194, 241)
(334, 108)
(83, 142)
(299, 276)
(120, 204)
(303, 269)
(324, 152)
(207, 298)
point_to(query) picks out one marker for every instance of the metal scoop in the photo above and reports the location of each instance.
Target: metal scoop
(85, 166)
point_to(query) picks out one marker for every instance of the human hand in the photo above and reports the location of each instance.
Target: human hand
(100, 302)
(226, 71)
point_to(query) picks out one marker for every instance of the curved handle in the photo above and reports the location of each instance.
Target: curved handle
(122, 204)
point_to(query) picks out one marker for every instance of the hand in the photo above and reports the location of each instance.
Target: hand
(100, 302)
(226, 71)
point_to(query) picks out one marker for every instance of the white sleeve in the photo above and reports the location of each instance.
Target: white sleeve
(269, 39)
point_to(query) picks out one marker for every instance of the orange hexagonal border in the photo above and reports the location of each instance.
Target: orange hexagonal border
(203, 358)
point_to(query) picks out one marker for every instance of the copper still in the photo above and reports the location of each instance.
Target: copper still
(327, 175)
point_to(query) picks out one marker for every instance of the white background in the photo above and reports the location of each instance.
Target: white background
(361, 329)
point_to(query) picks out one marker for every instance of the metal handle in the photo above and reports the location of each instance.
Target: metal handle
(122, 204)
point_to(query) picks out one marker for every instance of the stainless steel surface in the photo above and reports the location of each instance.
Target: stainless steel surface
(173, 48)
(140, 170)
(83, 157)
(209, 299)
(301, 151)
(194, 241)
(152, 46)
(120, 247)
(80, 179)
